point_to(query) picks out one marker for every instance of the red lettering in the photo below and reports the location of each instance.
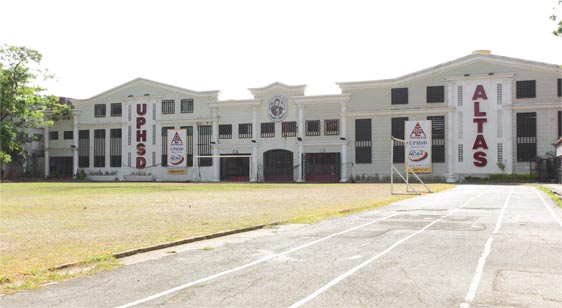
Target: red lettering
(140, 122)
(480, 142)
(141, 149)
(141, 162)
(479, 93)
(477, 112)
(480, 122)
(480, 159)
(141, 135)
(141, 109)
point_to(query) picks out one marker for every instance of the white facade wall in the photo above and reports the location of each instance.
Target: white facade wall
(359, 100)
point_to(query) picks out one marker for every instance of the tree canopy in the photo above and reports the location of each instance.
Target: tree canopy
(22, 100)
(556, 18)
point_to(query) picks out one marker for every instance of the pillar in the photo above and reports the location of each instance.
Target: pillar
(254, 162)
(343, 138)
(508, 125)
(75, 144)
(215, 146)
(300, 135)
(451, 177)
(46, 144)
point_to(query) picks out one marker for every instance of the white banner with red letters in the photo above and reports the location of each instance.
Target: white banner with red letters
(418, 146)
(177, 151)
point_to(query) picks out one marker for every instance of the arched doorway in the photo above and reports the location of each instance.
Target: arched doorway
(278, 166)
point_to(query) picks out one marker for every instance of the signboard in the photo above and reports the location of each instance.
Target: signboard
(418, 146)
(177, 151)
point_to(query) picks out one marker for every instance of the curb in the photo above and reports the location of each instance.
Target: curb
(135, 251)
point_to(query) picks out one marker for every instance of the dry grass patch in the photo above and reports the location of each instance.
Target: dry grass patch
(46, 224)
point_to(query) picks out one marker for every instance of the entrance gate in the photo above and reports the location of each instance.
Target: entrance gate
(322, 167)
(278, 166)
(236, 168)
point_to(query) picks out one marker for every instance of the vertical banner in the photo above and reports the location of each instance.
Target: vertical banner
(177, 151)
(418, 146)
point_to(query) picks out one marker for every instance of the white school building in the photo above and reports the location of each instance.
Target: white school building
(490, 114)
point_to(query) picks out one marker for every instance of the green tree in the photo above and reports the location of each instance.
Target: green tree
(22, 101)
(557, 19)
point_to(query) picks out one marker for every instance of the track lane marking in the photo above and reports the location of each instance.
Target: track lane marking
(548, 208)
(482, 260)
(365, 263)
(266, 258)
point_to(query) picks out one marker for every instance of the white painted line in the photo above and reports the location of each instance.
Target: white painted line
(482, 260)
(266, 258)
(365, 263)
(548, 208)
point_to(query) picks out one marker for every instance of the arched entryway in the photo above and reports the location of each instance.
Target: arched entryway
(278, 166)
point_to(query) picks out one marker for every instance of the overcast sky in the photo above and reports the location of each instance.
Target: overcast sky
(230, 46)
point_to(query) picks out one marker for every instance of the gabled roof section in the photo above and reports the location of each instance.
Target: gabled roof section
(477, 56)
(213, 94)
(278, 86)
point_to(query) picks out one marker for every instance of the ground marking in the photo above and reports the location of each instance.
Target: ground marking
(266, 258)
(358, 267)
(548, 208)
(482, 261)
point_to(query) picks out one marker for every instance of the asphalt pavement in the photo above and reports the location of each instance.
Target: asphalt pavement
(471, 246)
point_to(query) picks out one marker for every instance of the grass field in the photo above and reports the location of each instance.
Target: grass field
(46, 224)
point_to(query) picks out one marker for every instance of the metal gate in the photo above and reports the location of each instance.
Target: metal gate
(322, 167)
(278, 166)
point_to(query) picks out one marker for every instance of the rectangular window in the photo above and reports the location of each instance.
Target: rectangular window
(225, 131)
(99, 148)
(331, 127)
(53, 135)
(500, 152)
(312, 128)
(245, 130)
(397, 128)
(154, 134)
(559, 86)
(116, 109)
(499, 121)
(154, 112)
(267, 130)
(165, 145)
(129, 159)
(153, 158)
(500, 93)
(189, 130)
(115, 147)
(187, 105)
(130, 115)
(526, 89)
(168, 106)
(436, 94)
(460, 154)
(68, 134)
(459, 124)
(437, 139)
(459, 96)
(84, 148)
(204, 144)
(129, 134)
(99, 110)
(526, 136)
(289, 129)
(363, 141)
(399, 96)
(559, 124)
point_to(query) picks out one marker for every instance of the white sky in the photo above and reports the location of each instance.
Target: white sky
(230, 46)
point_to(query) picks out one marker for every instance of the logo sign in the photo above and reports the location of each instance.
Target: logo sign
(277, 107)
(418, 146)
(480, 118)
(141, 135)
(177, 151)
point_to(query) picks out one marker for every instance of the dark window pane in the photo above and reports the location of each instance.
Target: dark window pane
(84, 148)
(245, 130)
(526, 89)
(363, 141)
(225, 131)
(116, 110)
(331, 127)
(68, 134)
(312, 128)
(267, 130)
(168, 106)
(526, 136)
(187, 106)
(436, 94)
(53, 135)
(399, 96)
(437, 138)
(99, 148)
(397, 127)
(288, 129)
(99, 110)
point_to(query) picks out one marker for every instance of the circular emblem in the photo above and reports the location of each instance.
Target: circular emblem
(277, 107)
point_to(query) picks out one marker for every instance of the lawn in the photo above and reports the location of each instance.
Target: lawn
(46, 224)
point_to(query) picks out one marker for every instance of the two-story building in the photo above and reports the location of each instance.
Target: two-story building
(489, 113)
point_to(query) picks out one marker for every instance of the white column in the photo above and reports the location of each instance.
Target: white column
(46, 144)
(215, 139)
(75, 114)
(254, 162)
(343, 137)
(451, 178)
(508, 126)
(300, 135)
(196, 152)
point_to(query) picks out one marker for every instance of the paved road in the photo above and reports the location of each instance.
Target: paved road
(472, 246)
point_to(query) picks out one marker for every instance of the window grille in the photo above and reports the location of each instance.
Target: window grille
(99, 110)
(459, 98)
(331, 127)
(289, 129)
(436, 94)
(84, 148)
(204, 144)
(99, 148)
(245, 130)
(500, 93)
(526, 89)
(312, 128)
(68, 135)
(460, 154)
(500, 152)
(397, 128)
(526, 136)
(225, 131)
(437, 138)
(165, 145)
(115, 147)
(267, 130)
(53, 135)
(168, 106)
(187, 105)
(116, 109)
(399, 96)
(363, 141)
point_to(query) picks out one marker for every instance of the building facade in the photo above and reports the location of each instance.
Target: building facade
(490, 114)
